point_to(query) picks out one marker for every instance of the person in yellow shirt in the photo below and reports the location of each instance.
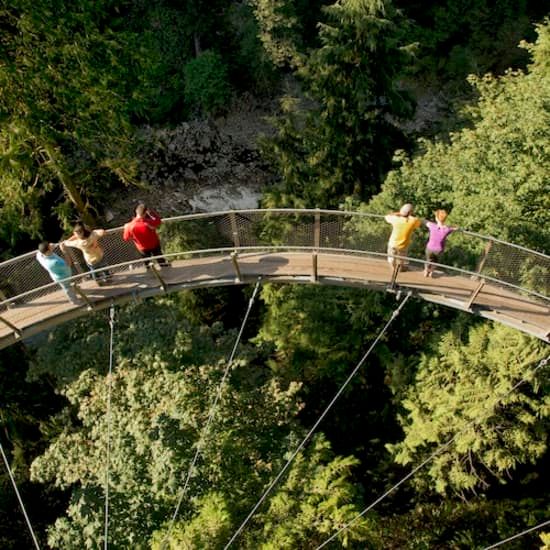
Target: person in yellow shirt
(403, 225)
(88, 243)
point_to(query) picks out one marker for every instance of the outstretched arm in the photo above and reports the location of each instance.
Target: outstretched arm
(152, 219)
(388, 217)
(127, 233)
(66, 256)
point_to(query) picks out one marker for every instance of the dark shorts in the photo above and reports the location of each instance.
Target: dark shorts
(157, 251)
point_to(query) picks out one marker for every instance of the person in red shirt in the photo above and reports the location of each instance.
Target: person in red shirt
(142, 229)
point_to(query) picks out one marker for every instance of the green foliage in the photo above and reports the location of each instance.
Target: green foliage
(341, 143)
(23, 408)
(65, 125)
(159, 405)
(500, 163)
(317, 332)
(457, 524)
(464, 391)
(20, 198)
(162, 41)
(459, 37)
(316, 497)
(210, 528)
(279, 30)
(207, 90)
(253, 71)
(165, 377)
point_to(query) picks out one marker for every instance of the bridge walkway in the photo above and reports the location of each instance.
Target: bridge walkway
(449, 288)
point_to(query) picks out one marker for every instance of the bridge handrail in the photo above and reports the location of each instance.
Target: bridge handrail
(494, 264)
(199, 215)
(258, 249)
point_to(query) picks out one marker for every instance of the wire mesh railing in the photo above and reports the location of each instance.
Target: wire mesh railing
(23, 280)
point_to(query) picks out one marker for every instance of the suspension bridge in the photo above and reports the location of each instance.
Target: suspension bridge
(482, 275)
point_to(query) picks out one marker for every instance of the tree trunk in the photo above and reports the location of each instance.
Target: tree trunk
(197, 43)
(71, 191)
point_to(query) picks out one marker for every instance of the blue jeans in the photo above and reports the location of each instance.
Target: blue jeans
(68, 290)
(102, 276)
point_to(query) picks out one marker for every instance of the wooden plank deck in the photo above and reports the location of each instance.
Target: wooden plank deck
(493, 301)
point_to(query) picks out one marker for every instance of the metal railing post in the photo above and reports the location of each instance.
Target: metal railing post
(395, 273)
(317, 230)
(484, 255)
(234, 256)
(159, 278)
(314, 275)
(12, 326)
(234, 230)
(476, 291)
(81, 293)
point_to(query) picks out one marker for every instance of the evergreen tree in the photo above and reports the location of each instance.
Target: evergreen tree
(464, 391)
(279, 30)
(342, 141)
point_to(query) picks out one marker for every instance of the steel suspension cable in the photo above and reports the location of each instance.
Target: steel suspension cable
(108, 450)
(394, 314)
(19, 496)
(212, 411)
(517, 535)
(437, 452)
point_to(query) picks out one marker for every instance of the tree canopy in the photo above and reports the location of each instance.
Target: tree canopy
(499, 162)
(161, 396)
(64, 120)
(463, 392)
(78, 79)
(338, 144)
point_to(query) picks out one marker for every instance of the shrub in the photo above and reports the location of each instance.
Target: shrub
(207, 90)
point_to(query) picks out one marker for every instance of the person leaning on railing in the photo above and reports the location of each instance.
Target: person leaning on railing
(142, 230)
(57, 268)
(88, 243)
(436, 242)
(403, 225)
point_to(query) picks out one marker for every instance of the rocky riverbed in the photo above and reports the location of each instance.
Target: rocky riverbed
(199, 166)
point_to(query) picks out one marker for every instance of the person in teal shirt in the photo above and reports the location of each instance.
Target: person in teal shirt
(57, 268)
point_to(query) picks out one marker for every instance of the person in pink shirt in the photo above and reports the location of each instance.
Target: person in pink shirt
(436, 242)
(142, 230)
